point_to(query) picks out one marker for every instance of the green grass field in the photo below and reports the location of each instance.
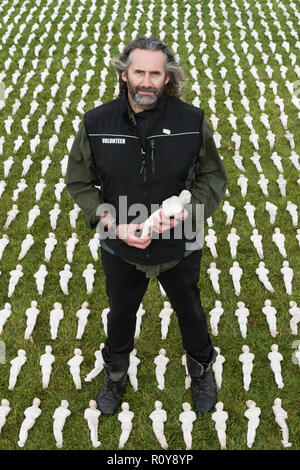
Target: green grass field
(50, 25)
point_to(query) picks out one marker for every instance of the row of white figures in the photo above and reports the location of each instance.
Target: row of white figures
(262, 273)
(158, 417)
(263, 184)
(238, 160)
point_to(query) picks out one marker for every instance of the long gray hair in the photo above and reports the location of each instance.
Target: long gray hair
(175, 85)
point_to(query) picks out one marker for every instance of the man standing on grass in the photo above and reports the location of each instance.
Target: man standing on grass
(140, 149)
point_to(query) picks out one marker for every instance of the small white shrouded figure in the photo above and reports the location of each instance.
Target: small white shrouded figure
(217, 368)
(64, 277)
(21, 186)
(215, 315)
(187, 417)
(243, 183)
(220, 417)
(288, 275)
(139, 315)
(98, 365)
(31, 414)
(280, 418)
(229, 211)
(272, 209)
(275, 358)
(39, 188)
(60, 415)
(187, 375)
(262, 273)
(16, 365)
(89, 275)
(94, 244)
(263, 184)
(15, 276)
(56, 315)
(25, 246)
(161, 362)
(236, 273)
(59, 187)
(104, 314)
(70, 246)
(211, 241)
(32, 215)
(4, 241)
(282, 182)
(31, 314)
(270, 313)
(214, 273)
(46, 361)
(91, 415)
(5, 313)
(11, 215)
(279, 239)
(242, 314)
(170, 207)
(255, 159)
(292, 210)
(82, 315)
(50, 243)
(74, 365)
(252, 414)
(40, 277)
(54, 213)
(132, 369)
(73, 216)
(125, 417)
(294, 311)
(246, 358)
(250, 209)
(165, 315)
(233, 240)
(257, 242)
(4, 411)
(162, 291)
(159, 417)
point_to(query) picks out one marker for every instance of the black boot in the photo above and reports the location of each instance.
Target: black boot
(110, 394)
(202, 384)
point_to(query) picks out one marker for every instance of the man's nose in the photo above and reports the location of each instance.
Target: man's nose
(146, 82)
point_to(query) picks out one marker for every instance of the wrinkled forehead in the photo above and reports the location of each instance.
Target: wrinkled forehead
(142, 59)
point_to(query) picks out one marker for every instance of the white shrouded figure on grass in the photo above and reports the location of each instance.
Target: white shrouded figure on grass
(125, 417)
(159, 417)
(4, 411)
(21, 186)
(161, 362)
(64, 277)
(255, 159)
(50, 243)
(31, 414)
(279, 239)
(165, 315)
(233, 240)
(220, 417)
(275, 358)
(172, 206)
(25, 246)
(215, 315)
(39, 188)
(242, 314)
(292, 210)
(229, 211)
(288, 275)
(294, 311)
(257, 242)
(89, 275)
(56, 315)
(262, 273)
(236, 273)
(217, 367)
(54, 213)
(250, 210)
(32, 215)
(5, 313)
(188, 379)
(282, 182)
(59, 187)
(243, 183)
(40, 277)
(82, 315)
(15, 276)
(252, 414)
(31, 314)
(46, 361)
(132, 369)
(11, 215)
(246, 358)
(270, 313)
(162, 291)
(139, 315)
(211, 241)
(214, 273)
(187, 417)
(263, 184)
(280, 418)
(94, 246)
(70, 246)
(4, 241)
(272, 209)
(104, 314)
(98, 365)
(60, 415)
(16, 365)
(91, 415)
(73, 216)
(74, 365)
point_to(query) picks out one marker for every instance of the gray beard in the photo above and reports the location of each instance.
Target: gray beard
(144, 100)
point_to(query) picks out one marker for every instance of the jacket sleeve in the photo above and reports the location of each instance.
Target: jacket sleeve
(81, 178)
(210, 179)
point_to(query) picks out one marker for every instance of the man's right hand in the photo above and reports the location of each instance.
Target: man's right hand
(126, 233)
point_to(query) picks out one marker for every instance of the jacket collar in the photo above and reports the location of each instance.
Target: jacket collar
(152, 114)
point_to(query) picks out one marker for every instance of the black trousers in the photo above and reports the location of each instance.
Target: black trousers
(125, 288)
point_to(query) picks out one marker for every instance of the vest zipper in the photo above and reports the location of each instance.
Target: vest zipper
(152, 155)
